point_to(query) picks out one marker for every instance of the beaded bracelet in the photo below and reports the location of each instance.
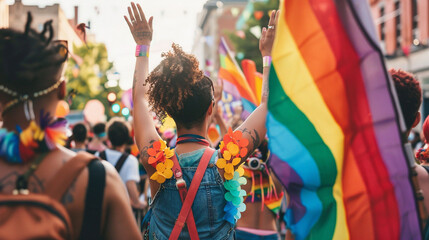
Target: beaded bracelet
(266, 61)
(142, 51)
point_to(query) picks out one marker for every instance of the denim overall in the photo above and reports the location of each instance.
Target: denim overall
(207, 207)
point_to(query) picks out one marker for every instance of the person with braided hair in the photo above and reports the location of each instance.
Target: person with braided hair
(46, 190)
(192, 184)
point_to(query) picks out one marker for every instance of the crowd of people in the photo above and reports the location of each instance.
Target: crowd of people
(185, 185)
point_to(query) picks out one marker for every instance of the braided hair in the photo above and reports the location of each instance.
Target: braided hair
(30, 61)
(178, 88)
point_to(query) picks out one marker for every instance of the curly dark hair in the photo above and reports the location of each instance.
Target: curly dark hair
(178, 88)
(30, 61)
(409, 94)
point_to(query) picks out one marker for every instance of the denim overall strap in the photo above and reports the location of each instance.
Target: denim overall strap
(188, 197)
(181, 187)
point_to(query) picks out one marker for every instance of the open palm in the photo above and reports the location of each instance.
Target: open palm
(267, 37)
(140, 28)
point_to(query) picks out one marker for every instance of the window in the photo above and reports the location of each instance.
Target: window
(382, 23)
(398, 24)
(415, 28)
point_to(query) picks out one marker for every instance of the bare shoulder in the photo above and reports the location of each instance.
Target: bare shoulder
(422, 174)
(114, 185)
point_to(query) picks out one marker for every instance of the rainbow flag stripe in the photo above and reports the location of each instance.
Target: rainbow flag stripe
(234, 80)
(334, 126)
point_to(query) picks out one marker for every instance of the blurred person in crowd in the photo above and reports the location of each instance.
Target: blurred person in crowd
(126, 165)
(414, 138)
(263, 201)
(95, 205)
(236, 119)
(417, 140)
(79, 137)
(422, 153)
(410, 98)
(100, 137)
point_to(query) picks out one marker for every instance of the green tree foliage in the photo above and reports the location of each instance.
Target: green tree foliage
(89, 78)
(249, 45)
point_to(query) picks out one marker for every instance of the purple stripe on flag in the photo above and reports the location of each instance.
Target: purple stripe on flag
(384, 118)
(231, 89)
(288, 177)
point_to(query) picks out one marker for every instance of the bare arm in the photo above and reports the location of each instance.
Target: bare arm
(254, 127)
(134, 195)
(145, 131)
(141, 29)
(120, 222)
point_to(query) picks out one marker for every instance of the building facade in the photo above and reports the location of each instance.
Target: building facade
(403, 29)
(63, 28)
(215, 21)
(4, 14)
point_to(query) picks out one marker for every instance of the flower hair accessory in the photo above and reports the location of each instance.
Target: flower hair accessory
(159, 158)
(233, 148)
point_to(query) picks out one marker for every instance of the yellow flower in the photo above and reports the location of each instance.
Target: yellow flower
(236, 161)
(229, 176)
(157, 177)
(163, 144)
(163, 171)
(222, 145)
(233, 148)
(229, 168)
(227, 155)
(168, 152)
(221, 163)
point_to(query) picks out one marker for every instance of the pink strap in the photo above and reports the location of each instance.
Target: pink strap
(184, 214)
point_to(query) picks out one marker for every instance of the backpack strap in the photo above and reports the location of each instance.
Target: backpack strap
(91, 225)
(121, 161)
(426, 168)
(102, 155)
(190, 196)
(60, 183)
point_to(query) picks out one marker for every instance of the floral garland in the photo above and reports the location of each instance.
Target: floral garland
(423, 154)
(21, 146)
(233, 148)
(159, 158)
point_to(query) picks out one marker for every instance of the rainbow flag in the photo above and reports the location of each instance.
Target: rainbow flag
(234, 81)
(253, 77)
(334, 126)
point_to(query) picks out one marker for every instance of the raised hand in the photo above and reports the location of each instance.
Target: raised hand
(267, 37)
(140, 28)
(218, 89)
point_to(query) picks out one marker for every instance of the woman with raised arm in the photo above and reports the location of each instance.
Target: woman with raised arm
(264, 191)
(46, 190)
(193, 174)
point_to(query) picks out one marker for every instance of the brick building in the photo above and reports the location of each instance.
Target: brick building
(64, 29)
(216, 19)
(4, 14)
(403, 28)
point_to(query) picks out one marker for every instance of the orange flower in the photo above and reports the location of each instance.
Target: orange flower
(233, 148)
(159, 158)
